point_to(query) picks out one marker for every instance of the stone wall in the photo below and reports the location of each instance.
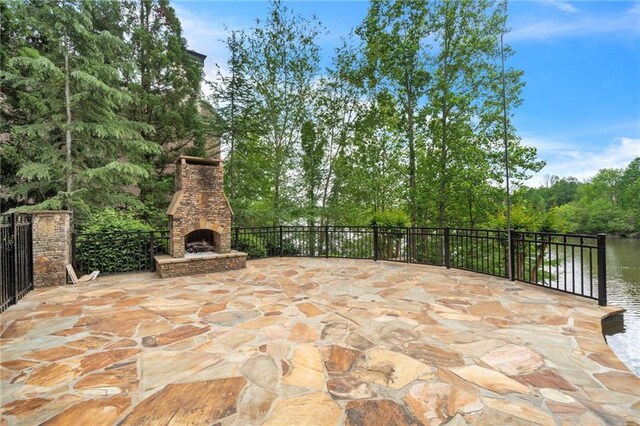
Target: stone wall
(51, 247)
(168, 267)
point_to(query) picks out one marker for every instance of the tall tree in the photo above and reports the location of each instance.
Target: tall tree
(313, 149)
(74, 145)
(339, 106)
(236, 106)
(164, 79)
(465, 109)
(395, 36)
(283, 63)
(367, 174)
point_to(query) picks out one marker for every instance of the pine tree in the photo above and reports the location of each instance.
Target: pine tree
(74, 147)
(164, 79)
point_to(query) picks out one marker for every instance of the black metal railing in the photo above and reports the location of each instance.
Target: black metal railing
(573, 264)
(478, 250)
(16, 258)
(568, 263)
(115, 252)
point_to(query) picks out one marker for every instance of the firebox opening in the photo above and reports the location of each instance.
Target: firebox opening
(201, 240)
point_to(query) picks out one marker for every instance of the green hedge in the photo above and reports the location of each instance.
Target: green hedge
(113, 242)
(252, 245)
(111, 220)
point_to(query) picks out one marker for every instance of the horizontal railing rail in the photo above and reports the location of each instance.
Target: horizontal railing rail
(570, 263)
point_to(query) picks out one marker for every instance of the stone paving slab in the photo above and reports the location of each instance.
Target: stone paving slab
(310, 341)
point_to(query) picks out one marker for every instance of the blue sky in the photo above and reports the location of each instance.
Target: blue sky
(581, 62)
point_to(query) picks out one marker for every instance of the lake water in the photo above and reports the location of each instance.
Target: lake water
(623, 290)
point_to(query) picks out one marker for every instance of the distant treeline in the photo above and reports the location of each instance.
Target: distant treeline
(609, 202)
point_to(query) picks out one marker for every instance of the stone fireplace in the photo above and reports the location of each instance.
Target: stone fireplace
(199, 222)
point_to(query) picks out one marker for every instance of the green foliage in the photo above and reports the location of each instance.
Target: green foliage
(282, 61)
(389, 239)
(522, 219)
(567, 218)
(110, 220)
(607, 203)
(164, 81)
(391, 218)
(253, 245)
(113, 241)
(406, 121)
(397, 54)
(100, 97)
(71, 143)
(313, 148)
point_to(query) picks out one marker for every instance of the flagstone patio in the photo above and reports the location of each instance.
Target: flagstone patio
(311, 341)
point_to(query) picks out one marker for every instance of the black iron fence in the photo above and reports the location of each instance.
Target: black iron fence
(115, 252)
(16, 258)
(568, 263)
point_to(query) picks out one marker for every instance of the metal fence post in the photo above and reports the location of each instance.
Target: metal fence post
(74, 262)
(375, 242)
(512, 260)
(152, 252)
(280, 243)
(326, 241)
(408, 244)
(602, 270)
(447, 247)
(13, 276)
(237, 238)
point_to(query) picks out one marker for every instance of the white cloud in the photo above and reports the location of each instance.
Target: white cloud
(577, 25)
(564, 6)
(564, 159)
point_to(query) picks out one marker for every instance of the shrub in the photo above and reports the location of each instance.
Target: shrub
(110, 220)
(391, 218)
(522, 219)
(252, 245)
(390, 238)
(289, 248)
(113, 242)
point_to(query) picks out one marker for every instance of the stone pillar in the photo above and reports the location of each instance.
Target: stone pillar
(51, 247)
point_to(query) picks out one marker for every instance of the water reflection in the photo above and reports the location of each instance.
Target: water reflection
(623, 290)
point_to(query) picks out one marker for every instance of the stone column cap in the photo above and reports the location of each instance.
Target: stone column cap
(48, 212)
